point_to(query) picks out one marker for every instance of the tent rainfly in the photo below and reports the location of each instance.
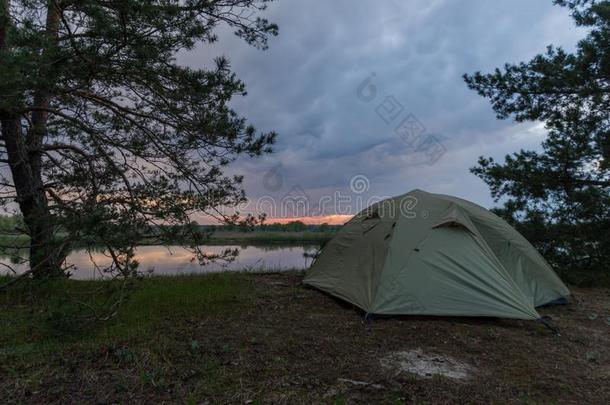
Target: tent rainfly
(431, 254)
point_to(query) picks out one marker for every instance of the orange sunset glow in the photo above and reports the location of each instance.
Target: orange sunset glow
(312, 220)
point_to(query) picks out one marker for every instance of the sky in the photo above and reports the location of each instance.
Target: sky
(368, 100)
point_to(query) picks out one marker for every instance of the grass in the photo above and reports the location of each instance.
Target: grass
(41, 336)
(254, 338)
(150, 302)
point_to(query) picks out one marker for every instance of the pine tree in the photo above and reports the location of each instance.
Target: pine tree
(559, 197)
(105, 133)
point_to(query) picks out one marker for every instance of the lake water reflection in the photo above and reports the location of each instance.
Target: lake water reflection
(173, 260)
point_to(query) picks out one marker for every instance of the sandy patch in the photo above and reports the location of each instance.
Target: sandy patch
(426, 365)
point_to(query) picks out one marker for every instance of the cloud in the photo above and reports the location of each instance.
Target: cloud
(305, 87)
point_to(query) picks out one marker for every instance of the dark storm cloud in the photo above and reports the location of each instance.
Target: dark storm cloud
(305, 87)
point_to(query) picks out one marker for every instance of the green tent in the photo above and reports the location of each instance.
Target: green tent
(433, 254)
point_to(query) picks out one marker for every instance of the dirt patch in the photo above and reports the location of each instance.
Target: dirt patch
(427, 365)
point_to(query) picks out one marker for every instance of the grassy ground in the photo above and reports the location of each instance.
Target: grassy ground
(246, 338)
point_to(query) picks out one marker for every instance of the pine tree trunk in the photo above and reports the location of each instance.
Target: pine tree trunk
(25, 162)
(45, 258)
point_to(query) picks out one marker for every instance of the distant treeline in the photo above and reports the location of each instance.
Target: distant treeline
(13, 224)
(293, 226)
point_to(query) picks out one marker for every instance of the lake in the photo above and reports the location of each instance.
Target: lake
(174, 260)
